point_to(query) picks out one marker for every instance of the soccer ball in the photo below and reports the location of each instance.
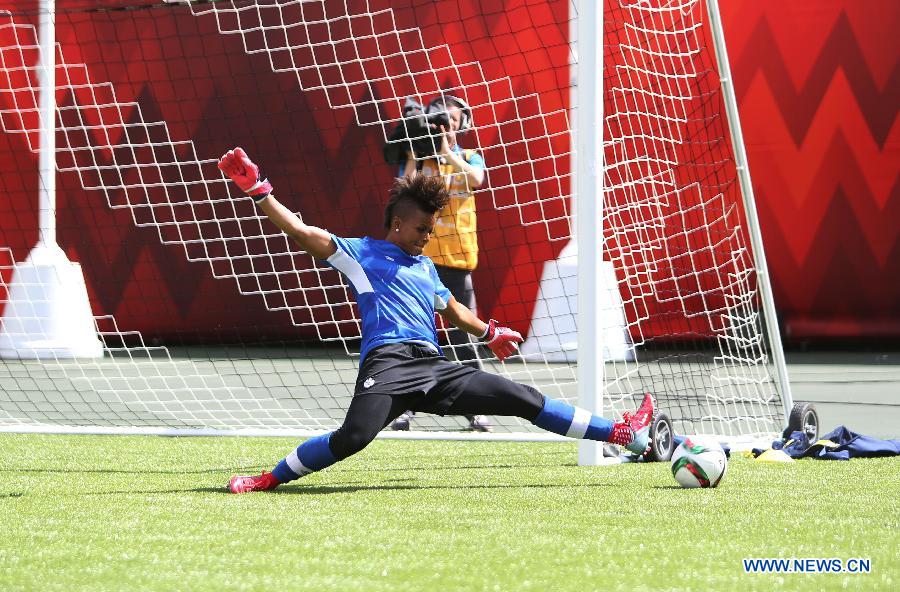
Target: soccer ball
(699, 463)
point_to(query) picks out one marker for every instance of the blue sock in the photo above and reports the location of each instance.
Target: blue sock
(574, 422)
(313, 455)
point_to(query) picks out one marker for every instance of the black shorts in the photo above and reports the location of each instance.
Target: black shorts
(426, 381)
(430, 381)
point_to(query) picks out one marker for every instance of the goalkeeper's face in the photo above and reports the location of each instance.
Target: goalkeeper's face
(413, 231)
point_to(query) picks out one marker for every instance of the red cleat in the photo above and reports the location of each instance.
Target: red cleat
(246, 484)
(633, 432)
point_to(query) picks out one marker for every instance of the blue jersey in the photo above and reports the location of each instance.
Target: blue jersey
(397, 293)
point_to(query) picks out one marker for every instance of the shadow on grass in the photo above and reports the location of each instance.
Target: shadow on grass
(210, 471)
(257, 468)
(331, 489)
(440, 467)
(334, 489)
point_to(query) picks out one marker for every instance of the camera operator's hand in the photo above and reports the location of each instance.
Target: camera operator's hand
(474, 176)
(445, 143)
(409, 169)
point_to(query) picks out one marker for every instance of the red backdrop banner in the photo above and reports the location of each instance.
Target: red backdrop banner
(817, 81)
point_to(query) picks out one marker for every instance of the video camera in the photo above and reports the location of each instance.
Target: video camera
(420, 128)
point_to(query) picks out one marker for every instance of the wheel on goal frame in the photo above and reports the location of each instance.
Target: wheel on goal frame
(662, 436)
(803, 418)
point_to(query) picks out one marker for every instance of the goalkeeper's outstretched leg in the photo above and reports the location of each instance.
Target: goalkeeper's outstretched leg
(491, 394)
(366, 417)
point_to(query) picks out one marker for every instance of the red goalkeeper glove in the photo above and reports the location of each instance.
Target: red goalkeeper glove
(503, 341)
(240, 169)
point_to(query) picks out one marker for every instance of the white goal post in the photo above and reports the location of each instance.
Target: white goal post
(670, 257)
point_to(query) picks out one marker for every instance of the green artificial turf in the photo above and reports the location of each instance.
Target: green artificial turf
(150, 513)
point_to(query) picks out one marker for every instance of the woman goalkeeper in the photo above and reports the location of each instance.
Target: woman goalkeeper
(402, 367)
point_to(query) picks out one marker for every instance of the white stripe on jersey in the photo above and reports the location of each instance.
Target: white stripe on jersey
(439, 303)
(351, 268)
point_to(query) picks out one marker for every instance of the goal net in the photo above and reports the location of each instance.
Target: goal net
(210, 319)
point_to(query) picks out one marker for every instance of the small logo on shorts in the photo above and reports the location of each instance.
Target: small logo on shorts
(369, 382)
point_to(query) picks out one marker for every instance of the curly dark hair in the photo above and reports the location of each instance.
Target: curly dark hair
(424, 192)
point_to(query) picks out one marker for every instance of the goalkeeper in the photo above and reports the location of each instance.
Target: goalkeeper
(398, 291)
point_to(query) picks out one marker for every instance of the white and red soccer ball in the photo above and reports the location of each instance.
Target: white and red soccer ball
(699, 463)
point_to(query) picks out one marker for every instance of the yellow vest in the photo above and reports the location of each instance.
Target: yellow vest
(454, 242)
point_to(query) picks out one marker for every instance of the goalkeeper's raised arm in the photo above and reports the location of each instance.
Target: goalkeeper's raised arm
(245, 174)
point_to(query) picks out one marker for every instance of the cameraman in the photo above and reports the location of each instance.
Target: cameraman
(454, 246)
